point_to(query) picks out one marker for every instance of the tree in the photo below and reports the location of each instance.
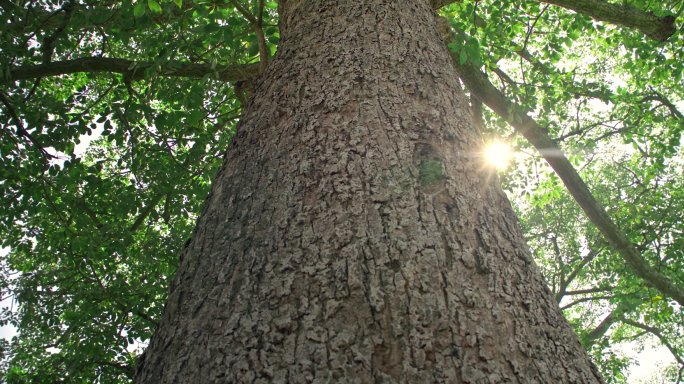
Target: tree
(349, 236)
(335, 240)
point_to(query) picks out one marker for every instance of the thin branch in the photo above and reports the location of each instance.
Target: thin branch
(504, 76)
(47, 48)
(591, 290)
(664, 101)
(61, 339)
(20, 127)
(584, 300)
(132, 70)
(658, 334)
(261, 39)
(600, 330)
(248, 15)
(585, 260)
(141, 218)
(102, 96)
(634, 336)
(524, 47)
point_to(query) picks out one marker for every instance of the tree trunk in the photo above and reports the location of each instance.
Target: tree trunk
(354, 233)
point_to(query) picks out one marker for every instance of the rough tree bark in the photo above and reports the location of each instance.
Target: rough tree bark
(354, 233)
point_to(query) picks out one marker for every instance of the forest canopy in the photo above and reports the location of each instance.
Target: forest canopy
(115, 116)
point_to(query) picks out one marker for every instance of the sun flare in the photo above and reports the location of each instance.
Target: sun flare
(498, 154)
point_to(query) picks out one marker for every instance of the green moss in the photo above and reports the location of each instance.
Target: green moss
(431, 171)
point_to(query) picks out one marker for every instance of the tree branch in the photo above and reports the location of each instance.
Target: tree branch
(585, 300)
(166, 215)
(600, 330)
(132, 70)
(573, 274)
(591, 290)
(256, 24)
(89, 212)
(88, 15)
(46, 47)
(657, 28)
(664, 101)
(141, 218)
(21, 131)
(657, 333)
(480, 87)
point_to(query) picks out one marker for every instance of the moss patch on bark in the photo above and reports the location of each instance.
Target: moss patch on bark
(430, 171)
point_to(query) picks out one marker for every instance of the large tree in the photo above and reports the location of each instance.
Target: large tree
(354, 231)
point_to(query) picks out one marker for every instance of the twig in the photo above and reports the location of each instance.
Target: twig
(256, 23)
(46, 48)
(20, 127)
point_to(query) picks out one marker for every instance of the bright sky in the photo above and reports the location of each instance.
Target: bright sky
(649, 361)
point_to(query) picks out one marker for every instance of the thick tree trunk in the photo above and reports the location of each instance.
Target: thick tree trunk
(354, 233)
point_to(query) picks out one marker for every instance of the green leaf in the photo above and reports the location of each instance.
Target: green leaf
(253, 49)
(464, 57)
(454, 47)
(179, 3)
(271, 5)
(139, 9)
(154, 6)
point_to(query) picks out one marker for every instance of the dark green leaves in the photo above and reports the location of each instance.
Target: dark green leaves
(93, 236)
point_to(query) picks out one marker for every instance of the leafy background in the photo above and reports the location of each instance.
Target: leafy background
(91, 237)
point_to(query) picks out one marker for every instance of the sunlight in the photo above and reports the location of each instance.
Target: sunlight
(498, 154)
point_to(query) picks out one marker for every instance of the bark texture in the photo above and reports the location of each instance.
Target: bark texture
(354, 233)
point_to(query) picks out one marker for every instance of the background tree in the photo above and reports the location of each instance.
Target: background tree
(93, 237)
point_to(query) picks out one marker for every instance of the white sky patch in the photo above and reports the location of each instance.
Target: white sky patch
(8, 331)
(80, 148)
(85, 140)
(649, 361)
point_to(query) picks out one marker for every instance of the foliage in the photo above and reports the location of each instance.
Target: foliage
(94, 236)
